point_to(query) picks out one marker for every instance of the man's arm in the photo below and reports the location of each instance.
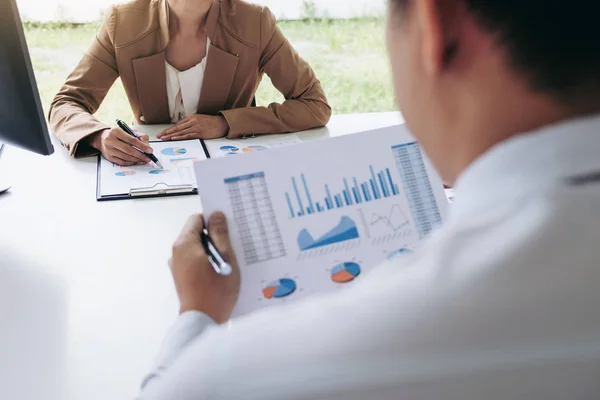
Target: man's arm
(189, 326)
(206, 298)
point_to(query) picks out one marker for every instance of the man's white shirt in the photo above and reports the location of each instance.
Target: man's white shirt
(502, 302)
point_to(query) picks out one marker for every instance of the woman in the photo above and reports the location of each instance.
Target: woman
(195, 63)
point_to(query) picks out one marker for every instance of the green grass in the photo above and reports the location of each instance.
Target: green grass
(348, 57)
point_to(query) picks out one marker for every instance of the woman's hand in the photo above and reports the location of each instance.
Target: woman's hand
(117, 147)
(197, 126)
(198, 286)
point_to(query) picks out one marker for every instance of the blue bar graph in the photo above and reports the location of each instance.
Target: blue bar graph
(289, 201)
(374, 187)
(357, 191)
(310, 208)
(394, 187)
(374, 183)
(365, 191)
(301, 212)
(348, 192)
(382, 183)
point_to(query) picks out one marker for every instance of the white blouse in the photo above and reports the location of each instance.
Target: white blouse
(184, 87)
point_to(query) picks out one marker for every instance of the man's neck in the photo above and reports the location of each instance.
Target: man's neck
(499, 117)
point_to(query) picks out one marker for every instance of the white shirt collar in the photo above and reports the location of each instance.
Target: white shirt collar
(529, 163)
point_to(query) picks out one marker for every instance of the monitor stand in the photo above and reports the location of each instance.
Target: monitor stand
(4, 186)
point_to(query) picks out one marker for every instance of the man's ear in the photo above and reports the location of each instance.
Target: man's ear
(439, 24)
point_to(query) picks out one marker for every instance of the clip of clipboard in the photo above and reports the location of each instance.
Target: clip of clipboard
(158, 190)
(162, 189)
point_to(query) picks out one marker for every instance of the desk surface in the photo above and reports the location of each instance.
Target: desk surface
(111, 257)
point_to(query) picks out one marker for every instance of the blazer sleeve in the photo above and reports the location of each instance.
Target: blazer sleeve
(71, 112)
(305, 104)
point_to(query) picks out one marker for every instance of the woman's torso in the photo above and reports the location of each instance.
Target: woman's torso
(143, 47)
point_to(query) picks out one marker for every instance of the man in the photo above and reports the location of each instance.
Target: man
(500, 303)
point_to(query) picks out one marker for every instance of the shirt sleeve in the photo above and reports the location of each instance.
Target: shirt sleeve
(189, 326)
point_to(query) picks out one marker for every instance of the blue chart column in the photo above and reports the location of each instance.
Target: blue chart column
(416, 185)
(255, 218)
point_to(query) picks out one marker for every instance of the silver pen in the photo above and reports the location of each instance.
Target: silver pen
(217, 261)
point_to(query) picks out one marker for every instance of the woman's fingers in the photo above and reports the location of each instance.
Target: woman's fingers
(123, 137)
(189, 133)
(128, 153)
(143, 137)
(120, 162)
(186, 123)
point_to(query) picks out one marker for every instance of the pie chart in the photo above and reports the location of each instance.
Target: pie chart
(280, 288)
(397, 253)
(174, 151)
(125, 173)
(258, 148)
(229, 148)
(250, 149)
(345, 272)
(158, 171)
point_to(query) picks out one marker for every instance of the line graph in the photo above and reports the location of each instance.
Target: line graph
(386, 227)
(395, 220)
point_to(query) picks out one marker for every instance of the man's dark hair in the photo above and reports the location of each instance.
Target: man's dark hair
(555, 44)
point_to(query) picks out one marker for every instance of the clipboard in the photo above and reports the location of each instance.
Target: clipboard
(188, 151)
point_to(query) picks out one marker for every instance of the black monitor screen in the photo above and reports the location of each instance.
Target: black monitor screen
(22, 121)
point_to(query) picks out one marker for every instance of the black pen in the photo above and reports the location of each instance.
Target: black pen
(128, 131)
(216, 259)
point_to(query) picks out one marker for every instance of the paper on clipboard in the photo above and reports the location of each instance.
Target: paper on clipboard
(177, 157)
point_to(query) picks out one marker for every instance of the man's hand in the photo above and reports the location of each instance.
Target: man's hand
(198, 286)
(117, 147)
(197, 126)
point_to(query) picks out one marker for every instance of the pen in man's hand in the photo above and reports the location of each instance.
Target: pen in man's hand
(216, 259)
(128, 131)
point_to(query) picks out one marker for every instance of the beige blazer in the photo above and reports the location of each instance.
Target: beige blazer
(245, 44)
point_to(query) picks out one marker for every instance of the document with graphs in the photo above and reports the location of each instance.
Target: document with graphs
(317, 216)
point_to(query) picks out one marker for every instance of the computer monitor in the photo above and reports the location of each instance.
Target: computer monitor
(22, 122)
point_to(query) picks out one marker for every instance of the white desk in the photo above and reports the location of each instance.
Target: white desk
(112, 259)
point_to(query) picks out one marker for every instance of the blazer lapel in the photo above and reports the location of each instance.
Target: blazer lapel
(218, 79)
(151, 79)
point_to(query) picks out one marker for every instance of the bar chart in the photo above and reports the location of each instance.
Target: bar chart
(350, 191)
